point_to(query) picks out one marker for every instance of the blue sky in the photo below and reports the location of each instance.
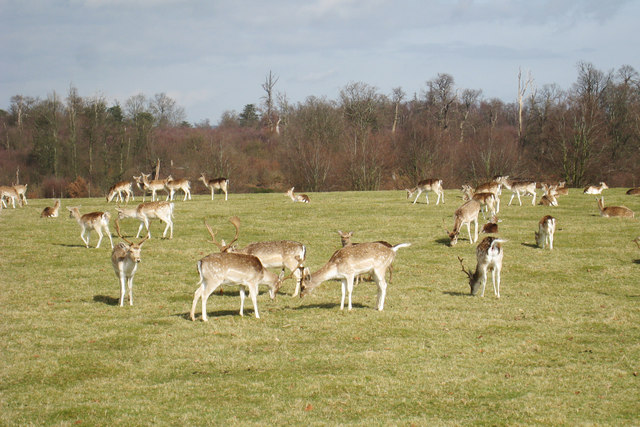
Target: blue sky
(212, 56)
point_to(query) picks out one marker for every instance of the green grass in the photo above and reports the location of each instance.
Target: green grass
(561, 346)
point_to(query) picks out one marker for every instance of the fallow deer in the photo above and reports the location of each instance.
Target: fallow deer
(549, 196)
(494, 187)
(637, 241)
(347, 263)
(633, 191)
(487, 199)
(612, 211)
(518, 188)
(173, 185)
(51, 211)
(465, 214)
(117, 189)
(489, 256)
(9, 193)
(425, 186)
(125, 258)
(546, 230)
(154, 185)
(221, 184)
(97, 221)
(596, 189)
(21, 191)
(303, 198)
(345, 240)
(149, 210)
(492, 226)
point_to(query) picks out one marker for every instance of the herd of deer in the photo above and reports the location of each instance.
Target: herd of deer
(249, 267)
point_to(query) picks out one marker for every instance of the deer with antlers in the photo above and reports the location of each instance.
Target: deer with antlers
(51, 211)
(546, 230)
(125, 258)
(221, 184)
(596, 189)
(302, 198)
(489, 257)
(116, 191)
(425, 186)
(614, 211)
(350, 261)
(231, 268)
(465, 214)
(173, 185)
(97, 221)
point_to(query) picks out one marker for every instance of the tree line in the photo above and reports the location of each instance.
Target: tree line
(363, 140)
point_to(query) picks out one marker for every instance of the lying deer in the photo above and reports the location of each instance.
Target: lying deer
(633, 191)
(546, 230)
(492, 226)
(97, 221)
(549, 196)
(611, 211)
(125, 258)
(425, 186)
(303, 198)
(347, 263)
(596, 189)
(51, 211)
(489, 256)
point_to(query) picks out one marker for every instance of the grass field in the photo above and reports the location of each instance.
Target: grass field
(561, 345)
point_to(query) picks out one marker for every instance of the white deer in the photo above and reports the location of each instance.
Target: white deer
(546, 230)
(425, 186)
(465, 214)
(350, 261)
(221, 184)
(303, 198)
(489, 257)
(97, 221)
(125, 258)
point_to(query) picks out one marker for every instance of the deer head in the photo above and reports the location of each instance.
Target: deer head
(221, 245)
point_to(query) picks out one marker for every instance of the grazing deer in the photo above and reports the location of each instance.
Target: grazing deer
(596, 189)
(489, 257)
(221, 184)
(345, 240)
(611, 211)
(492, 226)
(9, 193)
(154, 185)
(425, 186)
(633, 191)
(303, 198)
(524, 188)
(465, 214)
(347, 263)
(487, 199)
(51, 212)
(97, 221)
(125, 258)
(117, 189)
(549, 196)
(230, 268)
(21, 191)
(173, 185)
(546, 230)
(493, 187)
(149, 210)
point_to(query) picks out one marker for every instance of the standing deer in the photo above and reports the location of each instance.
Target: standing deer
(486, 198)
(125, 258)
(494, 187)
(215, 184)
(465, 214)
(149, 210)
(549, 196)
(97, 221)
(51, 211)
(303, 198)
(611, 211)
(345, 240)
(117, 189)
(425, 186)
(546, 230)
(173, 185)
(154, 185)
(596, 189)
(9, 193)
(525, 188)
(489, 257)
(21, 191)
(347, 263)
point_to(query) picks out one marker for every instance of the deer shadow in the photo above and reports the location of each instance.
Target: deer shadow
(67, 245)
(105, 299)
(636, 261)
(456, 293)
(327, 305)
(216, 314)
(529, 245)
(443, 241)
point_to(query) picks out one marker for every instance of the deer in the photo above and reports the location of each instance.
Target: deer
(546, 230)
(613, 211)
(154, 185)
(302, 198)
(526, 188)
(492, 226)
(562, 189)
(149, 210)
(494, 187)
(596, 189)
(9, 193)
(221, 184)
(465, 214)
(21, 191)
(51, 211)
(116, 191)
(141, 185)
(425, 186)
(97, 221)
(350, 261)
(549, 196)
(345, 240)
(489, 255)
(173, 185)
(231, 268)
(633, 191)
(125, 258)
(487, 199)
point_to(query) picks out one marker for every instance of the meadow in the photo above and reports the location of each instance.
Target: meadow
(560, 347)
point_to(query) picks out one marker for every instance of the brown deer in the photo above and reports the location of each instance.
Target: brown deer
(51, 211)
(465, 214)
(221, 184)
(97, 221)
(546, 230)
(302, 198)
(612, 211)
(425, 186)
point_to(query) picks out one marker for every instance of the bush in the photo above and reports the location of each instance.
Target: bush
(78, 188)
(53, 188)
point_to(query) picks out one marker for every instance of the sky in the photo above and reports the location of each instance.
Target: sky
(213, 56)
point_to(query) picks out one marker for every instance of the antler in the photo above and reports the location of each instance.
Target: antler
(120, 235)
(445, 228)
(224, 248)
(465, 271)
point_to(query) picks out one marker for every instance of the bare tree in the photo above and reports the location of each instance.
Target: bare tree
(523, 86)
(441, 94)
(268, 100)
(397, 97)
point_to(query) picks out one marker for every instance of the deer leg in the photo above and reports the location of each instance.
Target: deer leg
(86, 241)
(498, 280)
(469, 231)
(382, 288)
(533, 201)
(212, 190)
(121, 278)
(225, 195)
(196, 296)
(206, 292)
(426, 194)
(550, 236)
(130, 285)
(476, 234)
(483, 279)
(298, 276)
(140, 228)
(350, 289)
(416, 199)
(344, 291)
(242, 297)
(99, 231)
(253, 294)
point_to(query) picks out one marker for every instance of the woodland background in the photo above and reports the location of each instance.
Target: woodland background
(74, 146)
